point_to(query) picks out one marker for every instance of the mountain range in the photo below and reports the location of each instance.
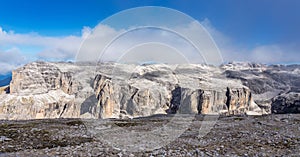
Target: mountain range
(113, 90)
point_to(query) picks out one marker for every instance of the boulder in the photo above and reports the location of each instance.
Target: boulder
(286, 103)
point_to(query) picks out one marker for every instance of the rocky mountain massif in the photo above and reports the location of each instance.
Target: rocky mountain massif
(275, 88)
(112, 90)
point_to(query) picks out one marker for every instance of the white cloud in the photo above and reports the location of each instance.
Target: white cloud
(86, 31)
(66, 47)
(34, 39)
(102, 36)
(277, 53)
(6, 68)
(146, 42)
(10, 59)
(12, 46)
(94, 41)
(267, 53)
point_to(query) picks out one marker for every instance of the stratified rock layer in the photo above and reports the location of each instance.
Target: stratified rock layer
(160, 89)
(47, 90)
(267, 83)
(41, 77)
(111, 90)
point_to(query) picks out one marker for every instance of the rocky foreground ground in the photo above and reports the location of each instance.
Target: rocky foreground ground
(271, 135)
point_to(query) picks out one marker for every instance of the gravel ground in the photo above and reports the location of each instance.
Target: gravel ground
(272, 135)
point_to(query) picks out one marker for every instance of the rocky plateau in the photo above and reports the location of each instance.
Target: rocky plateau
(112, 90)
(261, 136)
(112, 109)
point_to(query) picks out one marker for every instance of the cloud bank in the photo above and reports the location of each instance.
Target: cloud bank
(63, 48)
(14, 48)
(275, 53)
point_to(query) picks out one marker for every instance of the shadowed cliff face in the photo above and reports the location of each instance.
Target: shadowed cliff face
(275, 88)
(53, 90)
(160, 89)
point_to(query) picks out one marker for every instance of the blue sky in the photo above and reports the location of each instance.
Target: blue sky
(243, 27)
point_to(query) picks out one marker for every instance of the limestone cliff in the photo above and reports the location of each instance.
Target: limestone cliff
(111, 90)
(41, 77)
(160, 89)
(45, 90)
(269, 84)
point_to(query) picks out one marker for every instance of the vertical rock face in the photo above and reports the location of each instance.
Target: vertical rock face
(53, 90)
(41, 77)
(213, 101)
(238, 99)
(125, 100)
(199, 101)
(104, 93)
(157, 89)
(43, 90)
(266, 82)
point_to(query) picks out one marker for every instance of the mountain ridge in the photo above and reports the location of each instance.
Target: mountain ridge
(114, 90)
